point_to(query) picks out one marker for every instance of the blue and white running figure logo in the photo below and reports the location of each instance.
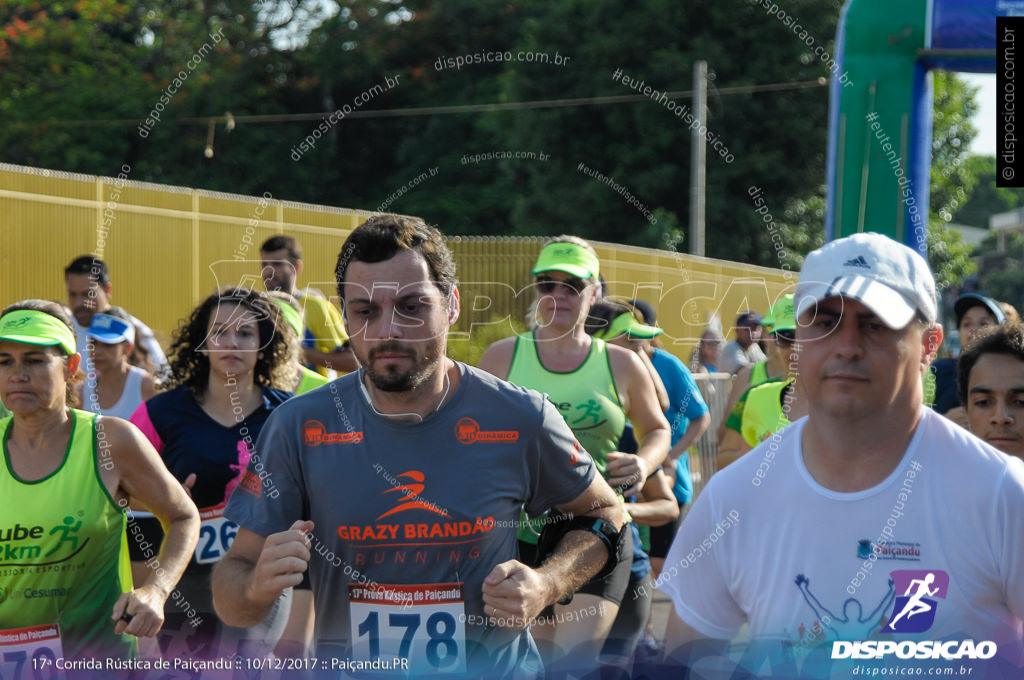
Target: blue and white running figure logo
(914, 611)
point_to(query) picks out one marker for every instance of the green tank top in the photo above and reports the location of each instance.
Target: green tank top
(586, 397)
(64, 549)
(763, 415)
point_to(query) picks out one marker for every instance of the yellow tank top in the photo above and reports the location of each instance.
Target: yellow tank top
(763, 414)
(63, 549)
(759, 373)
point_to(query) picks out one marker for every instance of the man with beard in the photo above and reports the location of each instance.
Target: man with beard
(400, 487)
(324, 343)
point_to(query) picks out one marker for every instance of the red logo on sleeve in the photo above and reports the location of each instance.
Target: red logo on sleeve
(576, 448)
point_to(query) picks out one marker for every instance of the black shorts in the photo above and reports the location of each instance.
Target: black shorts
(662, 537)
(612, 587)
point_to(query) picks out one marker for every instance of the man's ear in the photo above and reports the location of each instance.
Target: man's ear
(74, 361)
(454, 306)
(298, 268)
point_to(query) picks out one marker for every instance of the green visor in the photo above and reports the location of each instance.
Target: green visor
(627, 323)
(570, 258)
(33, 327)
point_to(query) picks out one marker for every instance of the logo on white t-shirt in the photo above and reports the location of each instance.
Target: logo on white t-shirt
(914, 610)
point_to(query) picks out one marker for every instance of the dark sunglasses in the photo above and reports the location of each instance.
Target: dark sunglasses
(787, 337)
(546, 284)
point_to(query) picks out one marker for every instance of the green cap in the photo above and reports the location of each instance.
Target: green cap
(569, 258)
(627, 323)
(33, 327)
(781, 317)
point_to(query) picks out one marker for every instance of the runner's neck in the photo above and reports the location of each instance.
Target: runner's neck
(413, 405)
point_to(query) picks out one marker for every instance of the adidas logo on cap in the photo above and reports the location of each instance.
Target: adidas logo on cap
(858, 261)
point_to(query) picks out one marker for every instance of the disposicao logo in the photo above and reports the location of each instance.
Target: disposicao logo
(914, 612)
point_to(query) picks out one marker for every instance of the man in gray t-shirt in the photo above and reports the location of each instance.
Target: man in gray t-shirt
(400, 486)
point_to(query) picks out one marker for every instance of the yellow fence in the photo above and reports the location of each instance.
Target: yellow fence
(168, 247)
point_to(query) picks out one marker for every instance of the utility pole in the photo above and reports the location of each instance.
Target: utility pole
(698, 156)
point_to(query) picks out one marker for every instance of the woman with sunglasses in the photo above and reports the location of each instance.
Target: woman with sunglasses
(230, 362)
(705, 354)
(767, 408)
(65, 483)
(596, 387)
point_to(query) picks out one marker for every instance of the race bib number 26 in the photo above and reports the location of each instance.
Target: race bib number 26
(425, 624)
(216, 534)
(30, 653)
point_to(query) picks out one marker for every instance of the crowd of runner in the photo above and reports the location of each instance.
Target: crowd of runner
(294, 480)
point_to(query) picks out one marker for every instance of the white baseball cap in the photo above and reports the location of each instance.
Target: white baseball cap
(887, 277)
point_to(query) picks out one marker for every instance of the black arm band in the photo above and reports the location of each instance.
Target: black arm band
(558, 526)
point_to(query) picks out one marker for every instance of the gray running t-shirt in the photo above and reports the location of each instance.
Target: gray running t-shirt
(399, 503)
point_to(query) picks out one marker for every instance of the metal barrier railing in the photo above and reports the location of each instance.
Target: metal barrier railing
(715, 389)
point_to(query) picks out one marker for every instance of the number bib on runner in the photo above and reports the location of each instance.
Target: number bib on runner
(30, 652)
(216, 534)
(423, 623)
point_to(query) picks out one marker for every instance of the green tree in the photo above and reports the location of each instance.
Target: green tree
(954, 105)
(73, 77)
(645, 146)
(987, 199)
(1002, 274)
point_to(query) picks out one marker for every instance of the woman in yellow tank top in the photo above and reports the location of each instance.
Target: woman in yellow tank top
(595, 387)
(66, 480)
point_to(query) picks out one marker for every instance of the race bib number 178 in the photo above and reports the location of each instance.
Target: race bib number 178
(30, 653)
(425, 624)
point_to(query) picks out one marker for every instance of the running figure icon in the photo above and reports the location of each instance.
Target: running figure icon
(915, 605)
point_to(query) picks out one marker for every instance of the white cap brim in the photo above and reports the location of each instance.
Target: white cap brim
(892, 307)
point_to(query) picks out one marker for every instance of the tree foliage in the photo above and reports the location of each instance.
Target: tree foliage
(987, 199)
(77, 77)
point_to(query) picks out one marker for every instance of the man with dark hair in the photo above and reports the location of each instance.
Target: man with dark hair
(324, 343)
(89, 288)
(990, 374)
(974, 312)
(745, 350)
(400, 486)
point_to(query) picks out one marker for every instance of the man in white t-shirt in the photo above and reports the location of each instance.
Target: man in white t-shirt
(744, 350)
(820, 539)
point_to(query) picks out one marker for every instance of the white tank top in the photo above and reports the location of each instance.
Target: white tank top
(130, 399)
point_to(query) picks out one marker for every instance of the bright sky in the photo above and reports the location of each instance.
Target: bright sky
(985, 120)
